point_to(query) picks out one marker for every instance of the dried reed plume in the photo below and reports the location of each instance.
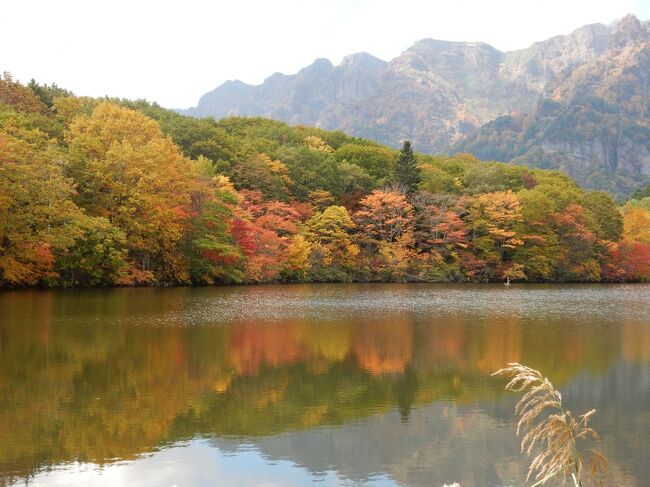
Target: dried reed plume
(552, 436)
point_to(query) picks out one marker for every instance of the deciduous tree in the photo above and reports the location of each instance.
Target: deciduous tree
(383, 216)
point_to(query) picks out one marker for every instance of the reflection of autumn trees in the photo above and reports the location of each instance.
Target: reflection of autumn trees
(635, 342)
(331, 343)
(502, 347)
(100, 392)
(384, 347)
(252, 346)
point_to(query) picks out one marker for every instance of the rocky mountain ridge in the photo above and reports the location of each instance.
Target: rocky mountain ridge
(592, 122)
(441, 94)
(433, 93)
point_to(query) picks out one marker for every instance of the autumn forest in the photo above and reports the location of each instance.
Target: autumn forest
(110, 192)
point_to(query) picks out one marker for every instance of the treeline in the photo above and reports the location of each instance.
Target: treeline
(98, 192)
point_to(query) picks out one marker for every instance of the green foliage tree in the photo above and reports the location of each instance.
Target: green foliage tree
(642, 192)
(47, 93)
(96, 255)
(608, 222)
(378, 162)
(407, 173)
(333, 249)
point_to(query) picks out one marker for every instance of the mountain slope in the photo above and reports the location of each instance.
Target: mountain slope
(593, 122)
(298, 98)
(434, 93)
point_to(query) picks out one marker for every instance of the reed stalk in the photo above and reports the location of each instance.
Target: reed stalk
(550, 433)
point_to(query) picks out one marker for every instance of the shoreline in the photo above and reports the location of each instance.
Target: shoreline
(288, 284)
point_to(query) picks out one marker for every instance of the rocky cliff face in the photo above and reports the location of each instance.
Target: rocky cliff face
(442, 94)
(592, 121)
(434, 93)
(299, 98)
(545, 61)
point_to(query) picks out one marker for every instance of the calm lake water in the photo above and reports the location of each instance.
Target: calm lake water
(381, 385)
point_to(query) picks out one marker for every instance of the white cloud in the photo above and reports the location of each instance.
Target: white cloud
(172, 52)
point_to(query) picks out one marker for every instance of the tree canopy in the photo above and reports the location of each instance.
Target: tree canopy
(99, 192)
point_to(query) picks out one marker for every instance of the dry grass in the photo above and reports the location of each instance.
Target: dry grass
(551, 433)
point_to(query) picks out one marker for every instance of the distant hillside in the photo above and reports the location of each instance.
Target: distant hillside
(438, 94)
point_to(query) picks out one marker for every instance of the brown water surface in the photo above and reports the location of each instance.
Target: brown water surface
(377, 385)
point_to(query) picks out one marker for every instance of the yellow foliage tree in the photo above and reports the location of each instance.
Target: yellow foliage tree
(127, 171)
(298, 260)
(499, 213)
(316, 143)
(36, 210)
(636, 224)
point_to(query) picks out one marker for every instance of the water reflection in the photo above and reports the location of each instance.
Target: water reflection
(241, 466)
(335, 384)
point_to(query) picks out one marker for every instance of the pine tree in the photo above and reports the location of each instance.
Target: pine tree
(407, 171)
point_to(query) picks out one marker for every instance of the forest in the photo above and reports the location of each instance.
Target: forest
(112, 192)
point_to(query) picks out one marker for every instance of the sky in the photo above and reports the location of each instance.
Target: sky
(196, 463)
(172, 52)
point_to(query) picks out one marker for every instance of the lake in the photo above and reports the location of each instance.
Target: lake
(381, 385)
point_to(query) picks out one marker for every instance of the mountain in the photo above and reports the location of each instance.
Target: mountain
(317, 91)
(453, 96)
(592, 122)
(433, 93)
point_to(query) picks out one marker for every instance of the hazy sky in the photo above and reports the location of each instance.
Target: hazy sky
(173, 52)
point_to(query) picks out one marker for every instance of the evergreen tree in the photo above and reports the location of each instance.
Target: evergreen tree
(407, 171)
(641, 193)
